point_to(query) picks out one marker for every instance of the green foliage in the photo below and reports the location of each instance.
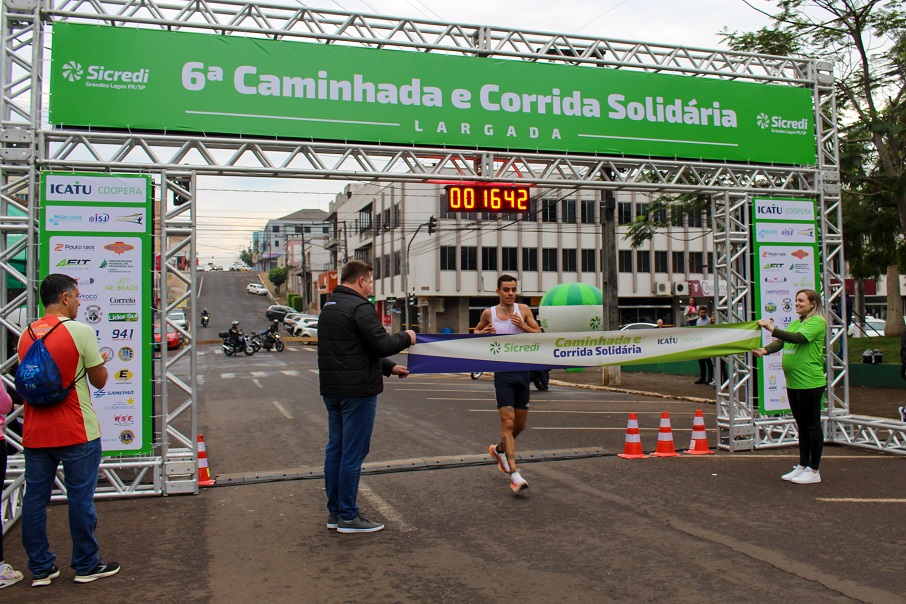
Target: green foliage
(277, 276)
(290, 297)
(663, 211)
(245, 256)
(298, 303)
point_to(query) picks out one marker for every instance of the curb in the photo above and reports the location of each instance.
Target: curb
(693, 399)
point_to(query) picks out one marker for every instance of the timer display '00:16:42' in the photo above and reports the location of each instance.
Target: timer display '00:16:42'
(487, 198)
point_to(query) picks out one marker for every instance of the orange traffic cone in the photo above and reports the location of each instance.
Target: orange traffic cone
(699, 445)
(665, 446)
(204, 474)
(632, 449)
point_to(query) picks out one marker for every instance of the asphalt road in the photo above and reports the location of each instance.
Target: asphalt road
(596, 529)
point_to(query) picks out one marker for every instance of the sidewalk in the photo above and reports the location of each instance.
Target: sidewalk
(876, 402)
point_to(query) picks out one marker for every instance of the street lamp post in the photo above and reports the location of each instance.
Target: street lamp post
(406, 275)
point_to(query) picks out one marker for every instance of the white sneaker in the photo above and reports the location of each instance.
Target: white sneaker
(500, 458)
(797, 470)
(517, 482)
(808, 476)
(9, 576)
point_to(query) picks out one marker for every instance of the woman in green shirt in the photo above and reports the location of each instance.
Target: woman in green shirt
(803, 366)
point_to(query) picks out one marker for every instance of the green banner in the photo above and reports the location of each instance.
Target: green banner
(120, 77)
(96, 228)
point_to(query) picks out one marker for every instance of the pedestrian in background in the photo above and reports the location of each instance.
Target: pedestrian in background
(705, 366)
(803, 366)
(66, 433)
(8, 575)
(691, 312)
(351, 350)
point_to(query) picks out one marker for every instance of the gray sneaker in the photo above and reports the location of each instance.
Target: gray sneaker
(359, 524)
(332, 521)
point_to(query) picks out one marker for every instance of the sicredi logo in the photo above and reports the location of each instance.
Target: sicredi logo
(72, 71)
(780, 124)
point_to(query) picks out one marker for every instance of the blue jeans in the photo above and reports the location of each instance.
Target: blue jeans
(350, 421)
(80, 467)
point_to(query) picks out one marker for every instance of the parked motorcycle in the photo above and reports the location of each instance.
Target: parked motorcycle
(243, 345)
(268, 341)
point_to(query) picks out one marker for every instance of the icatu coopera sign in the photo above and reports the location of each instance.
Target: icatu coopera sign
(119, 77)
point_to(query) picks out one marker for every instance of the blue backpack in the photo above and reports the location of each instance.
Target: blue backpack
(38, 378)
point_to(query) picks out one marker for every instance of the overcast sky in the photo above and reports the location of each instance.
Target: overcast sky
(230, 209)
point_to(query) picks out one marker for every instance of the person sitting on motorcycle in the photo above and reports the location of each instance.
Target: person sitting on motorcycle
(235, 335)
(205, 316)
(274, 327)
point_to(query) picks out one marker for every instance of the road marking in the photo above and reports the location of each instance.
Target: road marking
(290, 372)
(227, 376)
(858, 500)
(536, 411)
(257, 383)
(282, 410)
(259, 373)
(315, 371)
(436, 390)
(622, 429)
(386, 510)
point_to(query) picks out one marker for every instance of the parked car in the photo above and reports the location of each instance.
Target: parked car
(256, 288)
(638, 326)
(307, 332)
(178, 317)
(172, 338)
(290, 320)
(277, 311)
(872, 328)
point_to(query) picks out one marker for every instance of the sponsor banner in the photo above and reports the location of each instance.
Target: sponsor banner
(85, 187)
(107, 249)
(780, 270)
(105, 77)
(95, 219)
(444, 353)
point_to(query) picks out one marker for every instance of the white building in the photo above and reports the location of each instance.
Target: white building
(453, 272)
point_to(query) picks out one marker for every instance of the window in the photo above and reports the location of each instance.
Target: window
(444, 211)
(624, 215)
(568, 207)
(397, 263)
(509, 259)
(396, 215)
(677, 217)
(625, 261)
(588, 211)
(549, 259)
(660, 215)
(489, 258)
(641, 209)
(529, 259)
(695, 219)
(468, 257)
(548, 210)
(588, 261)
(696, 262)
(643, 261)
(275, 229)
(447, 258)
(377, 269)
(386, 261)
(660, 262)
(679, 262)
(569, 261)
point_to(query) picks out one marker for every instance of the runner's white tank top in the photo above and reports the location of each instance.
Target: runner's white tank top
(505, 327)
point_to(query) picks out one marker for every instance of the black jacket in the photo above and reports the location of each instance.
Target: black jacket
(351, 346)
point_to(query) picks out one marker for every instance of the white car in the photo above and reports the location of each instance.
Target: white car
(178, 317)
(307, 331)
(872, 328)
(256, 288)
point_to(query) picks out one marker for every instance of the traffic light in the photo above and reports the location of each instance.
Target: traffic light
(432, 225)
(178, 199)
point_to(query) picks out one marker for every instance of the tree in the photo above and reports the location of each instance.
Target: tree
(245, 256)
(866, 39)
(277, 276)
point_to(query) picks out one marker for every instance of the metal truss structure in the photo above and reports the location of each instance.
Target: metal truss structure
(28, 145)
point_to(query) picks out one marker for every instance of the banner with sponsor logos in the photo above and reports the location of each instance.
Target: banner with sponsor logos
(786, 260)
(105, 77)
(462, 353)
(96, 228)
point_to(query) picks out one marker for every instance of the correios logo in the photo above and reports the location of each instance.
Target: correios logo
(72, 71)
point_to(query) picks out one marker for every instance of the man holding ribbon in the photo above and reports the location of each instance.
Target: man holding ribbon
(511, 387)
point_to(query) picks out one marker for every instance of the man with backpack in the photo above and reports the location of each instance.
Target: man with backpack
(56, 431)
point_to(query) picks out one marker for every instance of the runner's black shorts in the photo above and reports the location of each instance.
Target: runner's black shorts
(512, 388)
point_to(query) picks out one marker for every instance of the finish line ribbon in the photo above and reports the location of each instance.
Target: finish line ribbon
(465, 353)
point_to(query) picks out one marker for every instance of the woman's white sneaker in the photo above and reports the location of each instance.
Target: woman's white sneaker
(808, 476)
(797, 470)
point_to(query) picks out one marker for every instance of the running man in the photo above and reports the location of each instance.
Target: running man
(511, 387)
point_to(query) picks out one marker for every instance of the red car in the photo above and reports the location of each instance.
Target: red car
(172, 338)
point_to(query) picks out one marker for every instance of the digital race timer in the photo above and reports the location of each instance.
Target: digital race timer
(487, 198)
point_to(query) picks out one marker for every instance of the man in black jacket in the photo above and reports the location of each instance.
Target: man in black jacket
(352, 345)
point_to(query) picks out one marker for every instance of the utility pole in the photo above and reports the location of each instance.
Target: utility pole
(610, 374)
(432, 227)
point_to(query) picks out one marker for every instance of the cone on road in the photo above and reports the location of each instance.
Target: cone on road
(204, 473)
(665, 446)
(632, 449)
(699, 445)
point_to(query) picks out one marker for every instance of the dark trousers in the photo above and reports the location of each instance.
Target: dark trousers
(706, 368)
(806, 407)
